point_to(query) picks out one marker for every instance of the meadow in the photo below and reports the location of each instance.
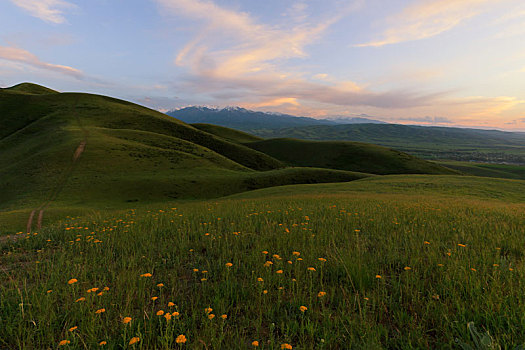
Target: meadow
(393, 262)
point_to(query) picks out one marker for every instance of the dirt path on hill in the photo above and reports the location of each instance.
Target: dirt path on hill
(62, 180)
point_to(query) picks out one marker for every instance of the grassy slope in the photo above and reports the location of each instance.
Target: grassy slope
(505, 171)
(227, 133)
(353, 156)
(133, 154)
(460, 187)
(444, 260)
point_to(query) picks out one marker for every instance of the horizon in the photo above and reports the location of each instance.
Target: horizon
(432, 63)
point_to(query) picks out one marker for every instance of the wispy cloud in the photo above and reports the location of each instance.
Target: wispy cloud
(15, 54)
(47, 10)
(237, 59)
(424, 19)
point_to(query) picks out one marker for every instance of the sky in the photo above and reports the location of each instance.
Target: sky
(427, 62)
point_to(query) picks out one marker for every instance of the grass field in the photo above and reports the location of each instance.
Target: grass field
(390, 262)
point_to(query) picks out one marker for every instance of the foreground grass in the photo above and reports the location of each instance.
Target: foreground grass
(334, 271)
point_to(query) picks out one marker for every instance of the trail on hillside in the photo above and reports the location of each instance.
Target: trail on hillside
(63, 179)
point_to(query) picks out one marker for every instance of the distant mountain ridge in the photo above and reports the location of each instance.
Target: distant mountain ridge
(247, 120)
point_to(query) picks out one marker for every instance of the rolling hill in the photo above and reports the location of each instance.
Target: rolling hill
(344, 155)
(131, 154)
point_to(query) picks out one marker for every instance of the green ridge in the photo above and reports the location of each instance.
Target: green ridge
(352, 156)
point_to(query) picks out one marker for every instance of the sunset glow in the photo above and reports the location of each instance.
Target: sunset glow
(427, 62)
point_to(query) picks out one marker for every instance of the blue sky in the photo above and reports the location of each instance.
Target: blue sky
(431, 62)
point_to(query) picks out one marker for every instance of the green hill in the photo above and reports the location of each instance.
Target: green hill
(352, 156)
(132, 153)
(31, 89)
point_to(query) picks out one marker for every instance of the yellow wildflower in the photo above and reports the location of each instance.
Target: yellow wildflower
(407, 268)
(286, 346)
(145, 275)
(160, 285)
(80, 299)
(224, 316)
(303, 308)
(229, 264)
(134, 340)
(63, 342)
(279, 271)
(255, 343)
(211, 316)
(170, 304)
(321, 294)
(126, 320)
(167, 316)
(71, 281)
(180, 339)
(160, 313)
(99, 311)
(102, 343)
(72, 328)
(311, 269)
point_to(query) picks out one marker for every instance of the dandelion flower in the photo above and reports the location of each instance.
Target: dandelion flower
(92, 290)
(296, 253)
(105, 289)
(203, 279)
(195, 270)
(175, 314)
(49, 291)
(160, 313)
(279, 271)
(321, 294)
(311, 269)
(268, 263)
(378, 276)
(99, 311)
(229, 264)
(80, 299)
(154, 298)
(211, 316)
(160, 285)
(126, 320)
(462, 245)
(299, 259)
(259, 279)
(180, 339)
(321, 259)
(224, 316)
(473, 269)
(286, 346)
(134, 340)
(102, 343)
(255, 343)
(426, 242)
(208, 310)
(265, 291)
(145, 275)
(71, 281)
(167, 316)
(407, 268)
(170, 304)
(63, 342)
(303, 308)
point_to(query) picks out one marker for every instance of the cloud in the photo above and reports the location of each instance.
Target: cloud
(236, 59)
(15, 54)
(46, 10)
(424, 19)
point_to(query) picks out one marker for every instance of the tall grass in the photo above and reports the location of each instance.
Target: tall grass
(315, 272)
